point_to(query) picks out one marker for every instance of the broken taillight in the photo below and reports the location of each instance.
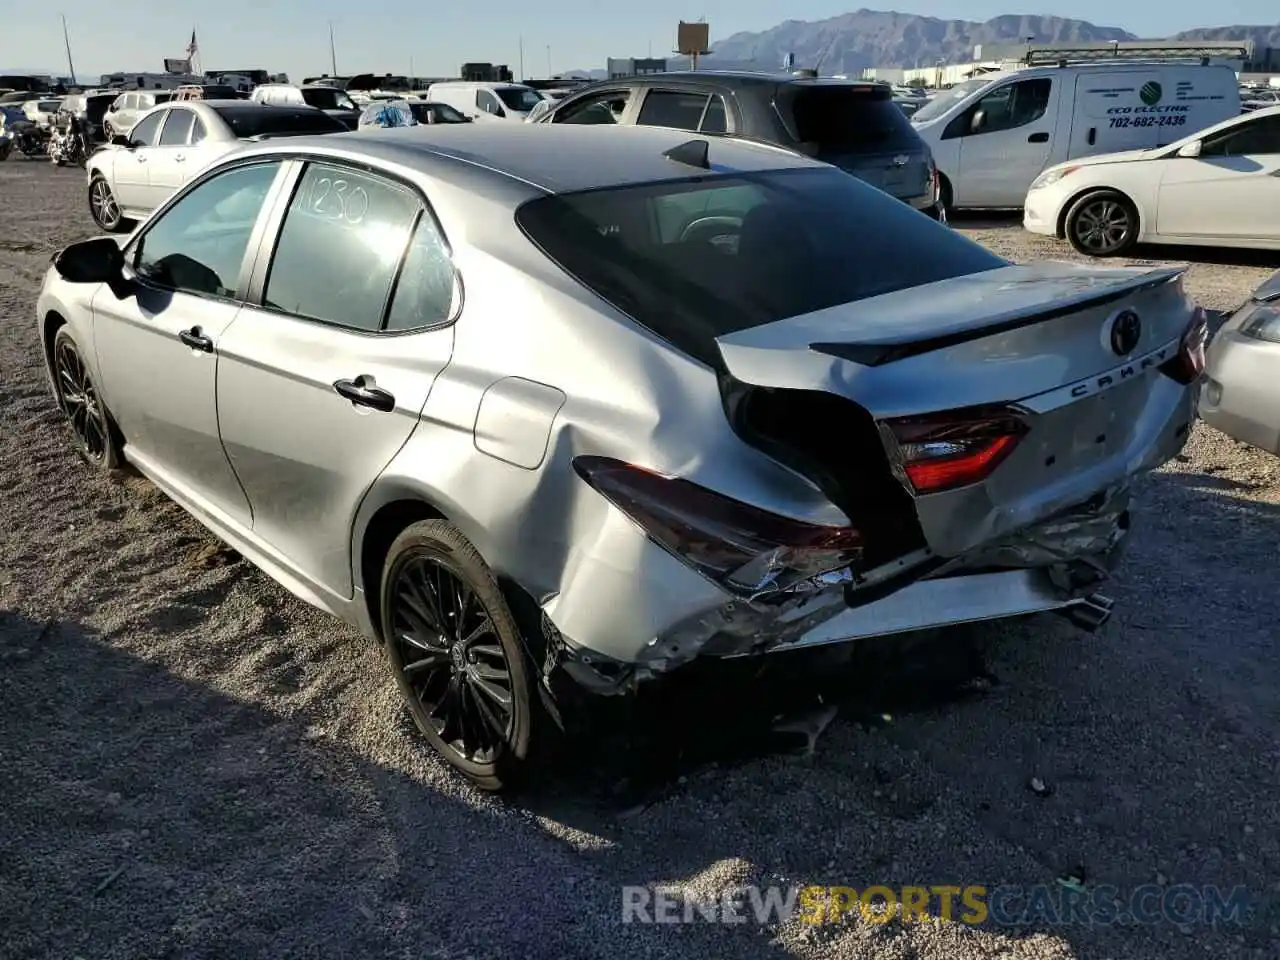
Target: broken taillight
(743, 548)
(954, 448)
(1189, 363)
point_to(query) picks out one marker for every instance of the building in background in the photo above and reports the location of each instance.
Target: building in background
(619, 67)
(486, 73)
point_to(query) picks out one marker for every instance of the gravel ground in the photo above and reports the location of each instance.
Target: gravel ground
(194, 764)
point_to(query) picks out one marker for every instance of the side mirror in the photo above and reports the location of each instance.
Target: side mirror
(99, 260)
(978, 121)
(120, 140)
(1191, 150)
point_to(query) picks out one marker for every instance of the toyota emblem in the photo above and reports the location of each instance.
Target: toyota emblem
(901, 160)
(1126, 330)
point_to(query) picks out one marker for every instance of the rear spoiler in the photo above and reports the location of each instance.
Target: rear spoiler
(884, 352)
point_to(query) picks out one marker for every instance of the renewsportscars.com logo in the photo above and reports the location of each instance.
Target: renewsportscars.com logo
(1150, 93)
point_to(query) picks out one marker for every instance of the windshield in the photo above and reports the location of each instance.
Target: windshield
(327, 98)
(522, 99)
(946, 99)
(249, 121)
(695, 259)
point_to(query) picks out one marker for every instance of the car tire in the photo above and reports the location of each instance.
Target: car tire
(1102, 223)
(455, 650)
(945, 198)
(94, 433)
(103, 206)
(108, 131)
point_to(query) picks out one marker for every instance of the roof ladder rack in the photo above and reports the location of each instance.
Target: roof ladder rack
(1202, 53)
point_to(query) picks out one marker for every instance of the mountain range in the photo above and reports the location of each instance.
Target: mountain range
(852, 42)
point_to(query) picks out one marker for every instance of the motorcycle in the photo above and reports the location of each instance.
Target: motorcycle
(29, 140)
(68, 146)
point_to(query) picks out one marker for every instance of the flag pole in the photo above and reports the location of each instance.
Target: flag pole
(66, 38)
(333, 57)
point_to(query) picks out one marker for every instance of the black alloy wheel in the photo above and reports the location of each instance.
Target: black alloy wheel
(456, 653)
(92, 432)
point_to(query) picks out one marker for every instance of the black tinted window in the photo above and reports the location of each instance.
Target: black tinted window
(714, 120)
(277, 121)
(668, 108)
(696, 259)
(487, 102)
(854, 118)
(522, 99)
(144, 131)
(1251, 138)
(424, 292)
(1009, 107)
(198, 244)
(177, 128)
(343, 237)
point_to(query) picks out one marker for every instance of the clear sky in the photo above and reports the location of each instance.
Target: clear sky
(391, 36)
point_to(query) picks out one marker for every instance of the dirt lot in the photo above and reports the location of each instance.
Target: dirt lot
(193, 764)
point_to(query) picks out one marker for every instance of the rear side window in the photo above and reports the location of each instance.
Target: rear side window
(177, 128)
(669, 108)
(851, 119)
(693, 260)
(342, 239)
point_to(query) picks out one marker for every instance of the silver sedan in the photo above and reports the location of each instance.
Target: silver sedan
(552, 410)
(1241, 395)
(171, 143)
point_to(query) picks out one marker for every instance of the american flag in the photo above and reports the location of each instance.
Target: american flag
(191, 47)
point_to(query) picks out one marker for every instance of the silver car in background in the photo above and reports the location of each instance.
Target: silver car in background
(556, 410)
(1241, 393)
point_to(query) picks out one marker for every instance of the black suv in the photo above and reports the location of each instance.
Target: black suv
(851, 124)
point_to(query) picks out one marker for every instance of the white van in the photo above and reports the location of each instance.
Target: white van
(992, 135)
(486, 101)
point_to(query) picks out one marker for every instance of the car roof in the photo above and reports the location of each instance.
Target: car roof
(555, 158)
(742, 77)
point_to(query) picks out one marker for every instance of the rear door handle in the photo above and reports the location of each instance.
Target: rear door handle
(364, 393)
(1038, 138)
(196, 340)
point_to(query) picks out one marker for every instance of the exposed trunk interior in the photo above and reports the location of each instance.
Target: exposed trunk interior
(835, 443)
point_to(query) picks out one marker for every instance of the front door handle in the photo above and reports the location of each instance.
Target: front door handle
(178, 158)
(364, 393)
(196, 340)
(1038, 138)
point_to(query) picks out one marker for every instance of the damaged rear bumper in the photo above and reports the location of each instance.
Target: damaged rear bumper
(1054, 565)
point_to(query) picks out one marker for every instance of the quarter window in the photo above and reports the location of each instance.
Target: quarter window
(343, 237)
(714, 120)
(197, 129)
(144, 131)
(424, 292)
(177, 128)
(198, 245)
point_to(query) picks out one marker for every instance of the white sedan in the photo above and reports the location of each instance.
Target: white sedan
(173, 142)
(1218, 187)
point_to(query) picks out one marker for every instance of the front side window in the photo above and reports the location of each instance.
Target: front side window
(198, 245)
(715, 119)
(343, 237)
(1010, 106)
(1251, 138)
(145, 132)
(177, 128)
(696, 259)
(487, 102)
(601, 108)
(671, 108)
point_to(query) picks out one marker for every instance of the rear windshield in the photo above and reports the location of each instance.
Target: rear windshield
(693, 260)
(258, 121)
(944, 100)
(851, 119)
(327, 98)
(95, 108)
